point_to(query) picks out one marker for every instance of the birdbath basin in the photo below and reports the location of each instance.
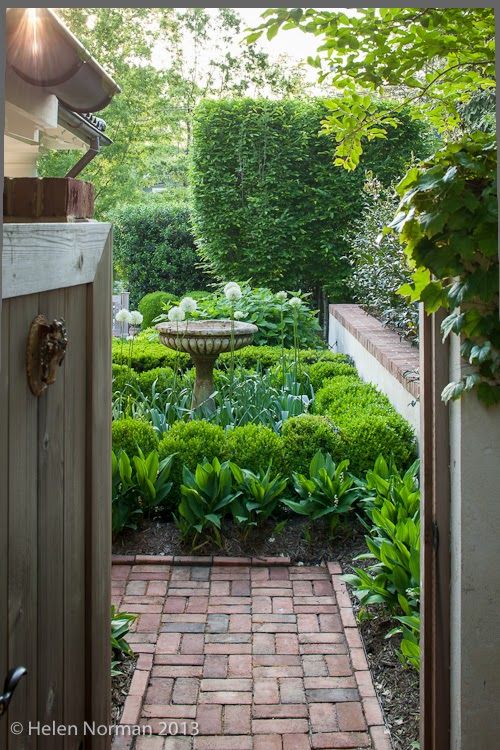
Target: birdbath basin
(204, 340)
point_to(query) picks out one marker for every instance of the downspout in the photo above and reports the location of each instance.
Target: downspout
(95, 147)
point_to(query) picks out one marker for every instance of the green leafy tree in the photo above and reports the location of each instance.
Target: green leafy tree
(267, 203)
(149, 122)
(438, 58)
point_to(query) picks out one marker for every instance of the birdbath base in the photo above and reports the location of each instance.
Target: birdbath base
(204, 383)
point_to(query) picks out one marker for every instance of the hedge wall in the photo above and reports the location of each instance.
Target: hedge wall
(269, 203)
(154, 250)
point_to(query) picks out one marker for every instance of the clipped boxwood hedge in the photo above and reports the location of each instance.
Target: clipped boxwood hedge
(254, 447)
(162, 375)
(192, 442)
(325, 370)
(124, 378)
(152, 305)
(303, 436)
(129, 434)
(147, 355)
(367, 422)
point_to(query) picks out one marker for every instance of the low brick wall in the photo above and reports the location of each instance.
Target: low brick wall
(381, 357)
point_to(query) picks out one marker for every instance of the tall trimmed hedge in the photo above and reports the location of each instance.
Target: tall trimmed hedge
(269, 203)
(154, 250)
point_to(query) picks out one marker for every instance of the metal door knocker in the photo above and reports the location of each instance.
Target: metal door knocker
(46, 348)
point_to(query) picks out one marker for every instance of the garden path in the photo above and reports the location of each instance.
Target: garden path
(256, 654)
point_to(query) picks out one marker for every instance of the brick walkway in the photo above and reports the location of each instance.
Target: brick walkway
(261, 655)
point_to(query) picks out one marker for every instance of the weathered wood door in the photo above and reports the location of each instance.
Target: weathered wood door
(55, 539)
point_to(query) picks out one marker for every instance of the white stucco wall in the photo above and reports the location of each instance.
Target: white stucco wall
(475, 571)
(372, 371)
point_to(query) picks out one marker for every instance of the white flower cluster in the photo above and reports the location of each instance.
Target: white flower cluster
(233, 292)
(188, 304)
(132, 317)
(176, 314)
(281, 296)
(295, 302)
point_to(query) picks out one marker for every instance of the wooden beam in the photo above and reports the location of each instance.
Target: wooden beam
(41, 256)
(98, 493)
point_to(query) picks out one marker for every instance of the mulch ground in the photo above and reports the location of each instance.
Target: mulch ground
(397, 686)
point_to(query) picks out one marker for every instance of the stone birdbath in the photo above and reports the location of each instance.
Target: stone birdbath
(204, 340)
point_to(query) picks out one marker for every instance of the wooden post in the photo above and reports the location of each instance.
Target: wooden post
(435, 538)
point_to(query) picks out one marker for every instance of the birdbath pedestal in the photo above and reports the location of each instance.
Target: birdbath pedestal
(204, 340)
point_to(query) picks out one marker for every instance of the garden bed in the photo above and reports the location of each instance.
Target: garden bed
(120, 685)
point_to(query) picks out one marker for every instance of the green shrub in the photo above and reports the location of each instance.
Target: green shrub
(380, 268)
(310, 356)
(274, 318)
(197, 294)
(162, 375)
(267, 203)
(367, 421)
(344, 395)
(151, 305)
(254, 446)
(365, 435)
(124, 378)
(304, 436)
(130, 434)
(265, 357)
(154, 249)
(325, 369)
(192, 442)
(147, 355)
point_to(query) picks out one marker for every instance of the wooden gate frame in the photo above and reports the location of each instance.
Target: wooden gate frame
(43, 257)
(435, 537)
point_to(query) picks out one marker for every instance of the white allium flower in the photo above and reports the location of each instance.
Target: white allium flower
(229, 285)
(176, 314)
(239, 314)
(233, 293)
(136, 317)
(281, 296)
(295, 302)
(130, 337)
(188, 304)
(123, 316)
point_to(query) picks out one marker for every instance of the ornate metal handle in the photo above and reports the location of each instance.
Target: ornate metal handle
(47, 344)
(10, 684)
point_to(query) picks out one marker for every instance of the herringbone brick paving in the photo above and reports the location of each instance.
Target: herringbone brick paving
(242, 656)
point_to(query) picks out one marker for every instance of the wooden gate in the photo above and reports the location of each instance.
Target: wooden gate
(55, 510)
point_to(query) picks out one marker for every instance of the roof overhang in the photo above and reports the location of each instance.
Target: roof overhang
(43, 52)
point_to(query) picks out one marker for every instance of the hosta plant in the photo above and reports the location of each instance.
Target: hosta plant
(409, 629)
(152, 476)
(126, 511)
(387, 489)
(394, 578)
(120, 627)
(206, 498)
(327, 493)
(259, 498)
(139, 487)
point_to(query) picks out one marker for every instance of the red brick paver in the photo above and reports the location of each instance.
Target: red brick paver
(244, 654)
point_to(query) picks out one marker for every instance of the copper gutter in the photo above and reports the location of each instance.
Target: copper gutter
(42, 51)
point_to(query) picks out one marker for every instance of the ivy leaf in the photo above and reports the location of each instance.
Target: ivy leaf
(433, 296)
(452, 391)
